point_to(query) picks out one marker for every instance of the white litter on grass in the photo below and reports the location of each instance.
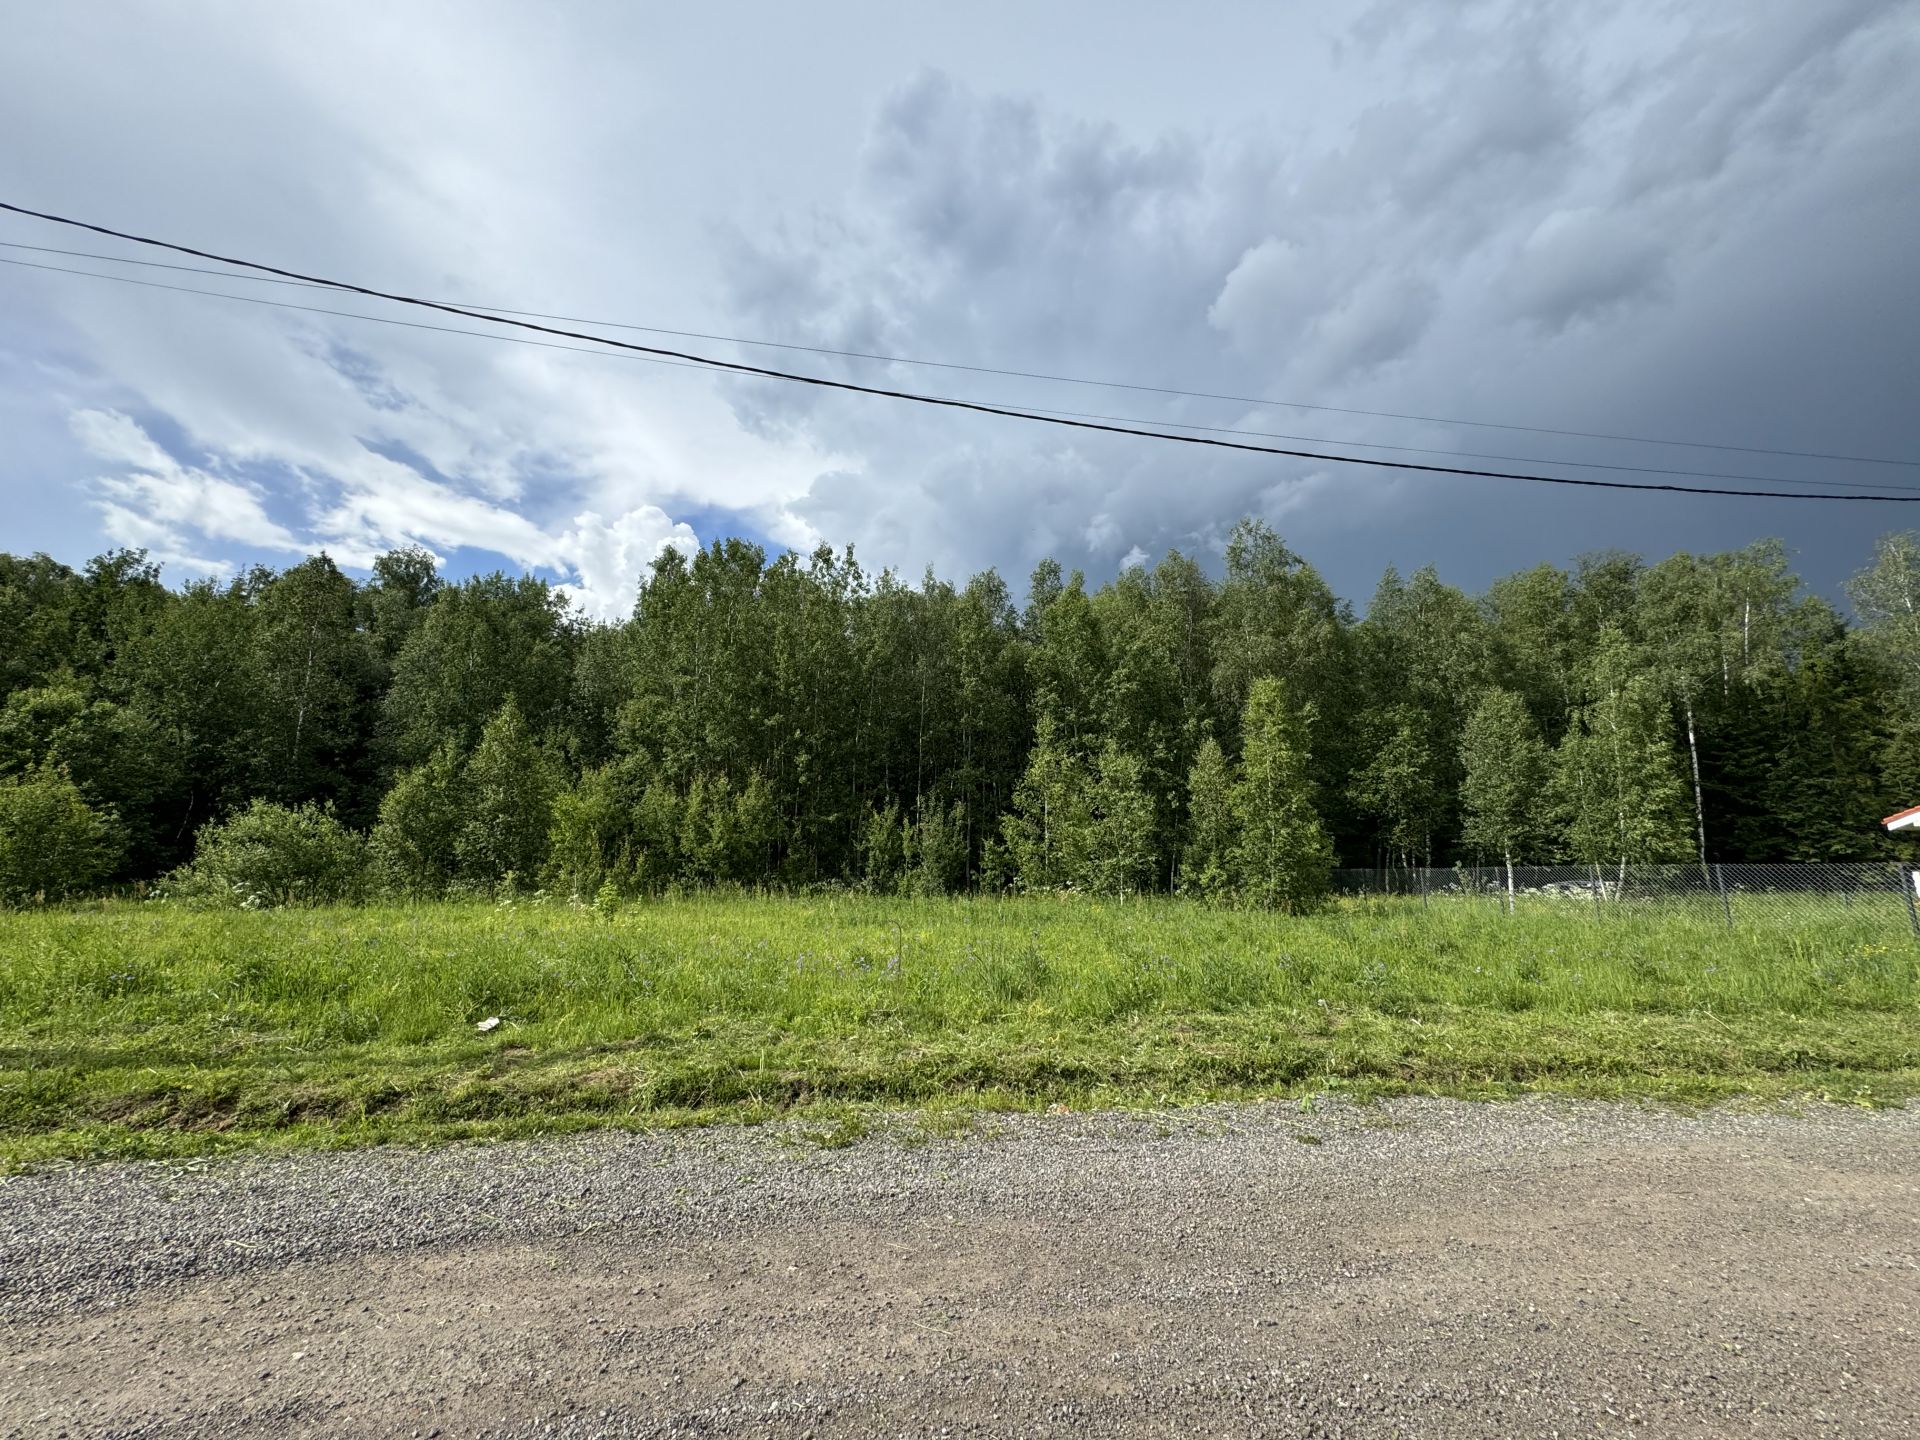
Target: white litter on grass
(492, 1022)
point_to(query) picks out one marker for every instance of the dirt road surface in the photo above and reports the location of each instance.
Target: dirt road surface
(1416, 1269)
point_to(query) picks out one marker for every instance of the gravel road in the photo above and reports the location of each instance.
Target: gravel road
(1417, 1269)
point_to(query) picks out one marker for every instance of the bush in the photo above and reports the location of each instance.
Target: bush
(883, 850)
(413, 843)
(52, 843)
(506, 797)
(272, 854)
(939, 851)
(591, 844)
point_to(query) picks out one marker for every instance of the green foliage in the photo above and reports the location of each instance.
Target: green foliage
(1283, 859)
(477, 645)
(997, 872)
(756, 830)
(614, 827)
(43, 628)
(1425, 650)
(1887, 596)
(189, 666)
(1048, 832)
(52, 843)
(656, 826)
(474, 823)
(1618, 774)
(140, 1030)
(394, 602)
(1276, 618)
(1212, 832)
(123, 762)
(883, 850)
(59, 626)
(592, 843)
(1826, 727)
(1506, 769)
(414, 843)
(310, 667)
(1401, 785)
(1119, 843)
(1068, 656)
(938, 854)
(706, 831)
(507, 789)
(271, 854)
(752, 716)
(726, 835)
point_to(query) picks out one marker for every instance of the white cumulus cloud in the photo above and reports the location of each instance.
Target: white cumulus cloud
(611, 557)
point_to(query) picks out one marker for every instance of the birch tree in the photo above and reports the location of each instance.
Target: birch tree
(1887, 596)
(1618, 772)
(1283, 859)
(1502, 795)
(1212, 835)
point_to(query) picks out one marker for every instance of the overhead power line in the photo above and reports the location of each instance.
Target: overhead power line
(356, 315)
(1170, 391)
(1025, 413)
(1033, 410)
(940, 401)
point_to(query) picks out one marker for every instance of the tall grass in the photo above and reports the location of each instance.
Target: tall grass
(130, 1028)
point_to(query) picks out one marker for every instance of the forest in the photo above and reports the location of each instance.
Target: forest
(799, 722)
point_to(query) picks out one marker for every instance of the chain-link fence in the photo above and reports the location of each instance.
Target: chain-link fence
(1732, 895)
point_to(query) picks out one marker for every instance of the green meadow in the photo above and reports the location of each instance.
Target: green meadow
(147, 1030)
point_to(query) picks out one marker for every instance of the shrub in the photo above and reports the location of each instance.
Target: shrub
(413, 842)
(939, 851)
(727, 836)
(883, 850)
(121, 760)
(470, 825)
(506, 793)
(52, 843)
(591, 844)
(272, 854)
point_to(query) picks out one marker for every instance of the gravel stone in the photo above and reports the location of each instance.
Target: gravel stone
(1426, 1268)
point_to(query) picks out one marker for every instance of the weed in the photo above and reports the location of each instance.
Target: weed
(131, 1029)
(833, 1128)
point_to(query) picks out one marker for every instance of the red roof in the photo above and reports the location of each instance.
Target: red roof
(1906, 814)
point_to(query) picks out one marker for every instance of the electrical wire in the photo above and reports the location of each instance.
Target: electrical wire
(947, 402)
(1029, 409)
(354, 315)
(497, 310)
(652, 356)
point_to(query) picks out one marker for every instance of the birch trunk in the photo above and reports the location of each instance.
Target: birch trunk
(1699, 804)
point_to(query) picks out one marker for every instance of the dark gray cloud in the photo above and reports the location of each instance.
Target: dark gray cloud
(1634, 218)
(1564, 216)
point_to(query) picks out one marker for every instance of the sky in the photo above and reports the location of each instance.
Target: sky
(1659, 220)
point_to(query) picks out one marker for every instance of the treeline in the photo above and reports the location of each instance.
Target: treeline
(801, 722)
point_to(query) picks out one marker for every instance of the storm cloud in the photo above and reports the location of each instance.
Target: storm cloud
(1627, 219)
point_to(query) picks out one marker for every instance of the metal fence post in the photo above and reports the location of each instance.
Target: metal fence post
(1423, 887)
(1598, 885)
(1913, 913)
(1726, 901)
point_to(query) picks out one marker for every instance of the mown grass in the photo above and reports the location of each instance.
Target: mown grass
(144, 1030)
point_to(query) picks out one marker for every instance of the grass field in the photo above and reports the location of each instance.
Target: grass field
(145, 1030)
